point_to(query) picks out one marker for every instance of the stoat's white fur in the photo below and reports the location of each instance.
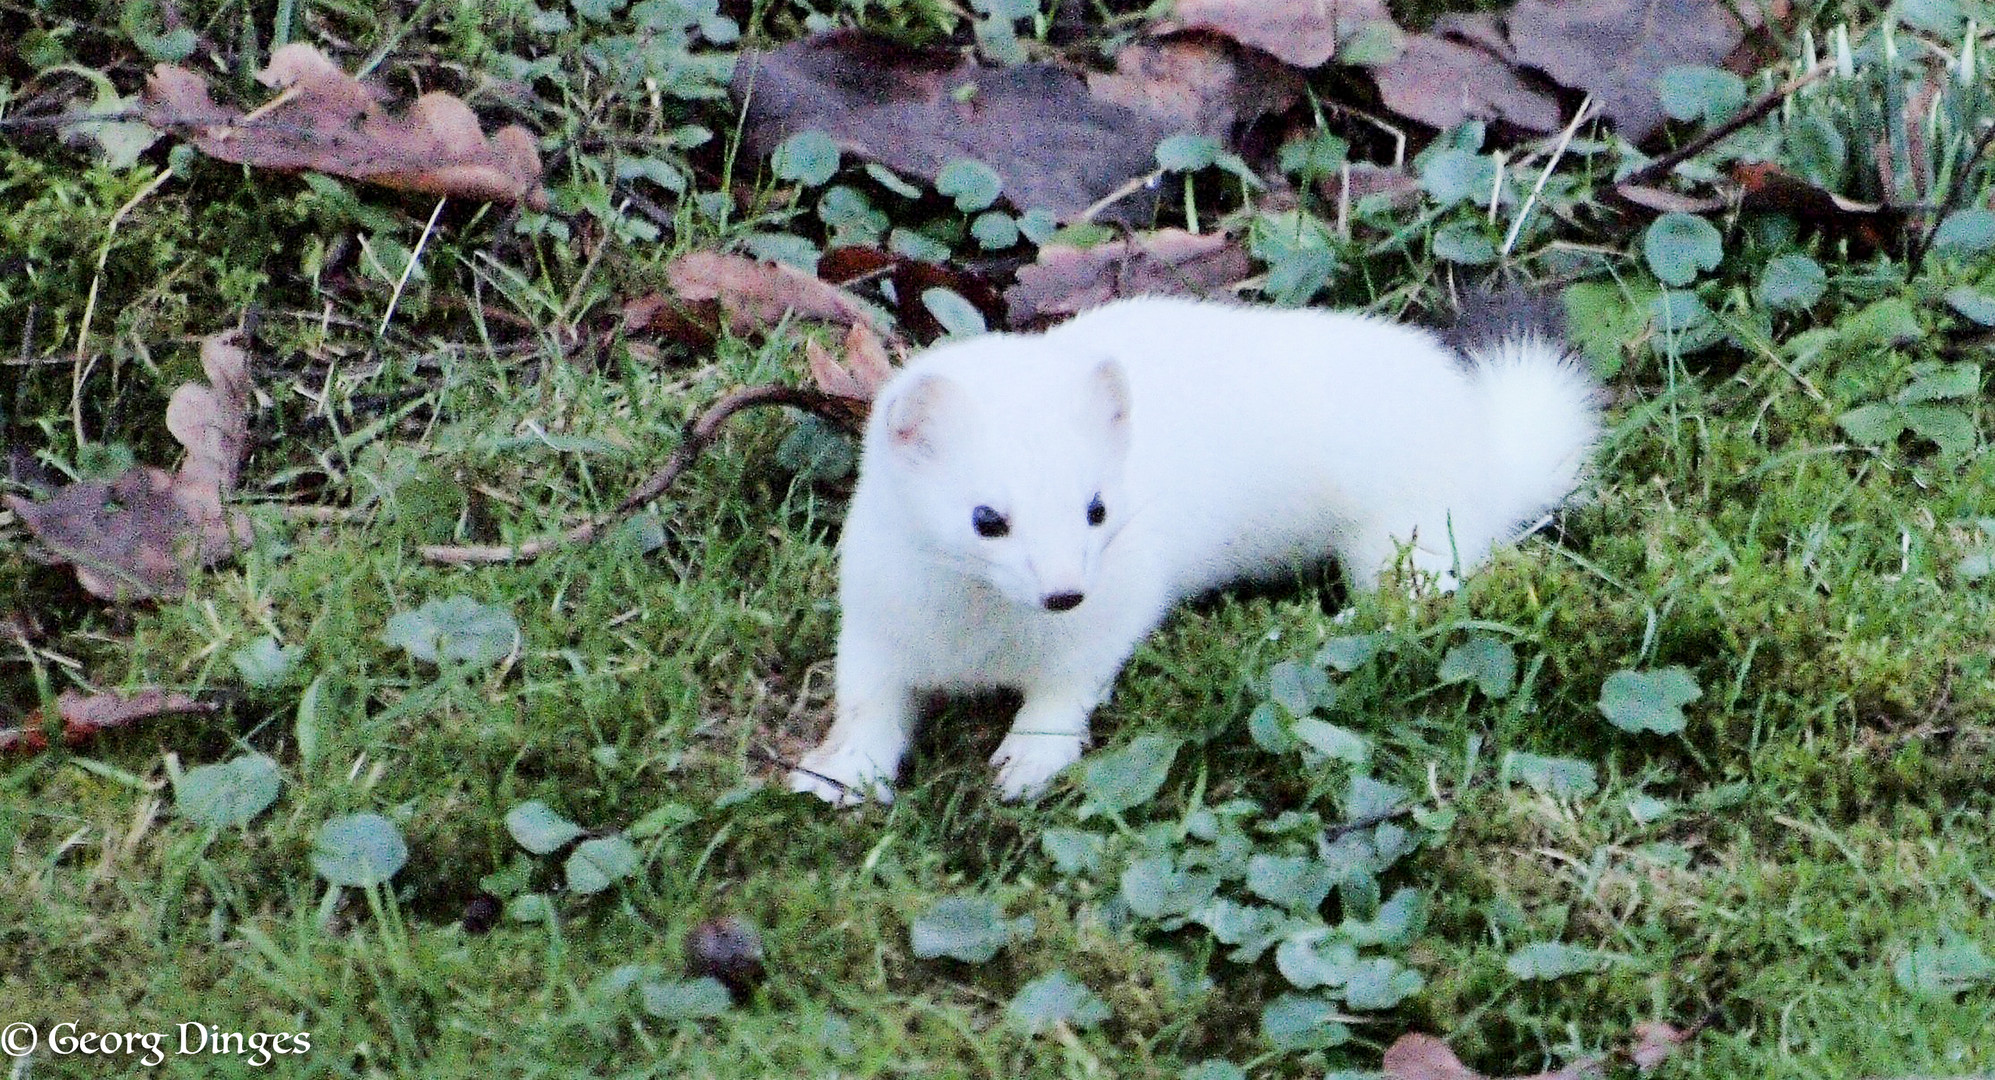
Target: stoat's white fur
(1223, 442)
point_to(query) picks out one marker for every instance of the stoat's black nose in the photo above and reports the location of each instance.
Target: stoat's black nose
(1063, 601)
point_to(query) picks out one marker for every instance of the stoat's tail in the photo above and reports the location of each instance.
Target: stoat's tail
(1544, 418)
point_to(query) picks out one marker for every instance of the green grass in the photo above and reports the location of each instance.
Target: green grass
(1829, 800)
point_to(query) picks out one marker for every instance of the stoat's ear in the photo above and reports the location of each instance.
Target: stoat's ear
(918, 416)
(1108, 398)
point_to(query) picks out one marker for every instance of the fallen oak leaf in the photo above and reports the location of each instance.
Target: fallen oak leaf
(865, 367)
(138, 536)
(1869, 227)
(1615, 50)
(84, 715)
(1304, 33)
(1052, 143)
(1197, 84)
(1655, 1042)
(757, 295)
(856, 264)
(1441, 83)
(1416, 1056)
(324, 120)
(1169, 262)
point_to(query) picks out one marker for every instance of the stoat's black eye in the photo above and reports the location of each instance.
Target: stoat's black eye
(1097, 513)
(989, 522)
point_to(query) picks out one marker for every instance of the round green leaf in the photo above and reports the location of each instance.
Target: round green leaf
(1965, 232)
(1332, 740)
(1955, 965)
(967, 928)
(1543, 960)
(916, 244)
(1649, 700)
(1051, 1000)
(1678, 246)
(958, 316)
(994, 230)
(264, 663)
(1302, 1022)
(1188, 153)
(1463, 242)
(1792, 282)
(359, 850)
(537, 828)
(1156, 887)
(1452, 176)
(1972, 304)
(1350, 652)
(686, 999)
(1381, 983)
(1038, 224)
(891, 180)
(1073, 851)
(1308, 962)
(1489, 661)
(1119, 780)
(1697, 92)
(227, 794)
(850, 216)
(459, 630)
(1556, 776)
(1297, 882)
(1214, 1069)
(597, 864)
(973, 184)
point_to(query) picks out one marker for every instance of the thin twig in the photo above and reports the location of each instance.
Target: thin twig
(1558, 152)
(409, 268)
(1660, 167)
(843, 411)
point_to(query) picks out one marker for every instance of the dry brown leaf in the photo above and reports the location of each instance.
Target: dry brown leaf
(1200, 85)
(1054, 144)
(1868, 227)
(1666, 202)
(1304, 33)
(859, 376)
(84, 715)
(324, 120)
(1616, 49)
(1441, 83)
(1170, 262)
(1423, 1057)
(757, 295)
(138, 536)
(1655, 1042)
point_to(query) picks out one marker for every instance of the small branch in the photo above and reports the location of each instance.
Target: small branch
(1771, 100)
(845, 412)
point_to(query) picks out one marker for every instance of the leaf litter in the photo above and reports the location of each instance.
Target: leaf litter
(324, 120)
(137, 537)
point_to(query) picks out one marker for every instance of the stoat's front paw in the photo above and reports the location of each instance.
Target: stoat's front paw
(1026, 762)
(842, 776)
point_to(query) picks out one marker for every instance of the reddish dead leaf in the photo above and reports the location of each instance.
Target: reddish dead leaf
(1054, 144)
(138, 536)
(694, 324)
(1067, 280)
(1304, 33)
(1868, 227)
(324, 120)
(1197, 84)
(1424, 1057)
(1654, 1043)
(1616, 49)
(855, 266)
(757, 295)
(1441, 83)
(84, 715)
(859, 376)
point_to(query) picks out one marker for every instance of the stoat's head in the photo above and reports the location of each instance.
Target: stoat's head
(1010, 466)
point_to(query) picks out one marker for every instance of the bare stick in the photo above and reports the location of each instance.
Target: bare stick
(1657, 169)
(843, 411)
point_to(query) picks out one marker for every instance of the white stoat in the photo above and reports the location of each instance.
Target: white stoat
(1030, 506)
